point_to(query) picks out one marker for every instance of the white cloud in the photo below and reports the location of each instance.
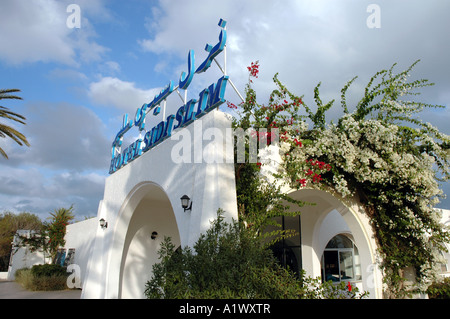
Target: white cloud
(120, 94)
(67, 74)
(301, 40)
(312, 41)
(33, 31)
(307, 42)
(66, 164)
(61, 136)
(30, 190)
(36, 30)
(110, 67)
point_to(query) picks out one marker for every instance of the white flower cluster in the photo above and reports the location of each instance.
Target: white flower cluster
(371, 151)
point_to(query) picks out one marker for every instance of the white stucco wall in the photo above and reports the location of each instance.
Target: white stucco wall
(332, 225)
(209, 184)
(331, 216)
(445, 220)
(22, 257)
(80, 236)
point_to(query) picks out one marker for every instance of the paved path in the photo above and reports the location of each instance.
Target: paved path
(12, 290)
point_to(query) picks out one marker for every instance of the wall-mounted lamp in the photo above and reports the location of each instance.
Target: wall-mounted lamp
(103, 223)
(186, 202)
(154, 235)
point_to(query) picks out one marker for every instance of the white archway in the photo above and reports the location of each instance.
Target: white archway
(144, 196)
(331, 216)
(146, 210)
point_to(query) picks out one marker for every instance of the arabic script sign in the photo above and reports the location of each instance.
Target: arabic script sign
(208, 99)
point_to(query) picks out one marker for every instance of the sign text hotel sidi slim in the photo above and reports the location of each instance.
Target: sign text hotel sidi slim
(208, 99)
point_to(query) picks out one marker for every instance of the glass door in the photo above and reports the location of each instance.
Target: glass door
(346, 265)
(340, 260)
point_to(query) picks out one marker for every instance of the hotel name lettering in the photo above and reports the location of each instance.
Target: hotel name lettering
(208, 99)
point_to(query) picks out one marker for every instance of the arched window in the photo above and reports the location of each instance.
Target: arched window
(340, 260)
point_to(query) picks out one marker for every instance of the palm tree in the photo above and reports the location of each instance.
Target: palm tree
(56, 230)
(6, 130)
(63, 214)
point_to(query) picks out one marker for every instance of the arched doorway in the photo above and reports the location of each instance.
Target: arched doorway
(328, 217)
(152, 219)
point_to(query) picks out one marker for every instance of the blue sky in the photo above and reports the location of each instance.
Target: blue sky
(77, 83)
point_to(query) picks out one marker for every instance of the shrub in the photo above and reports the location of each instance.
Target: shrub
(225, 263)
(24, 277)
(439, 290)
(49, 283)
(229, 262)
(48, 270)
(42, 277)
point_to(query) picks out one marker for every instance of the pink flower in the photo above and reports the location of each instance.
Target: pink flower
(317, 178)
(231, 105)
(302, 182)
(253, 69)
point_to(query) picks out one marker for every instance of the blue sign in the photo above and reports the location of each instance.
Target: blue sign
(208, 99)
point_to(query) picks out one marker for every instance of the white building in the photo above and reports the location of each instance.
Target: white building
(144, 197)
(141, 203)
(79, 239)
(141, 206)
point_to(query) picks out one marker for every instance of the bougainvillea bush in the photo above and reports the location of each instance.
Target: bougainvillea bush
(378, 150)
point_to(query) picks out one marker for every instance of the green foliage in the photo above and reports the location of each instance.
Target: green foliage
(42, 277)
(315, 289)
(51, 236)
(9, 224)
(259, 202)
(439, 289)
(225, 262)
(259, 199)
(378, 152)
(24, 277)
(392, 161)
(48, 270)
(229, 262)
(56, 230)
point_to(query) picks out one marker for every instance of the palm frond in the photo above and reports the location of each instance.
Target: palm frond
(6, 113)
(5, 94)
(8, 131)
(18, 137)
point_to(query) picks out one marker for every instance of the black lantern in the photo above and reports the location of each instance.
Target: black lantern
(186, 203)
(103, 223)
